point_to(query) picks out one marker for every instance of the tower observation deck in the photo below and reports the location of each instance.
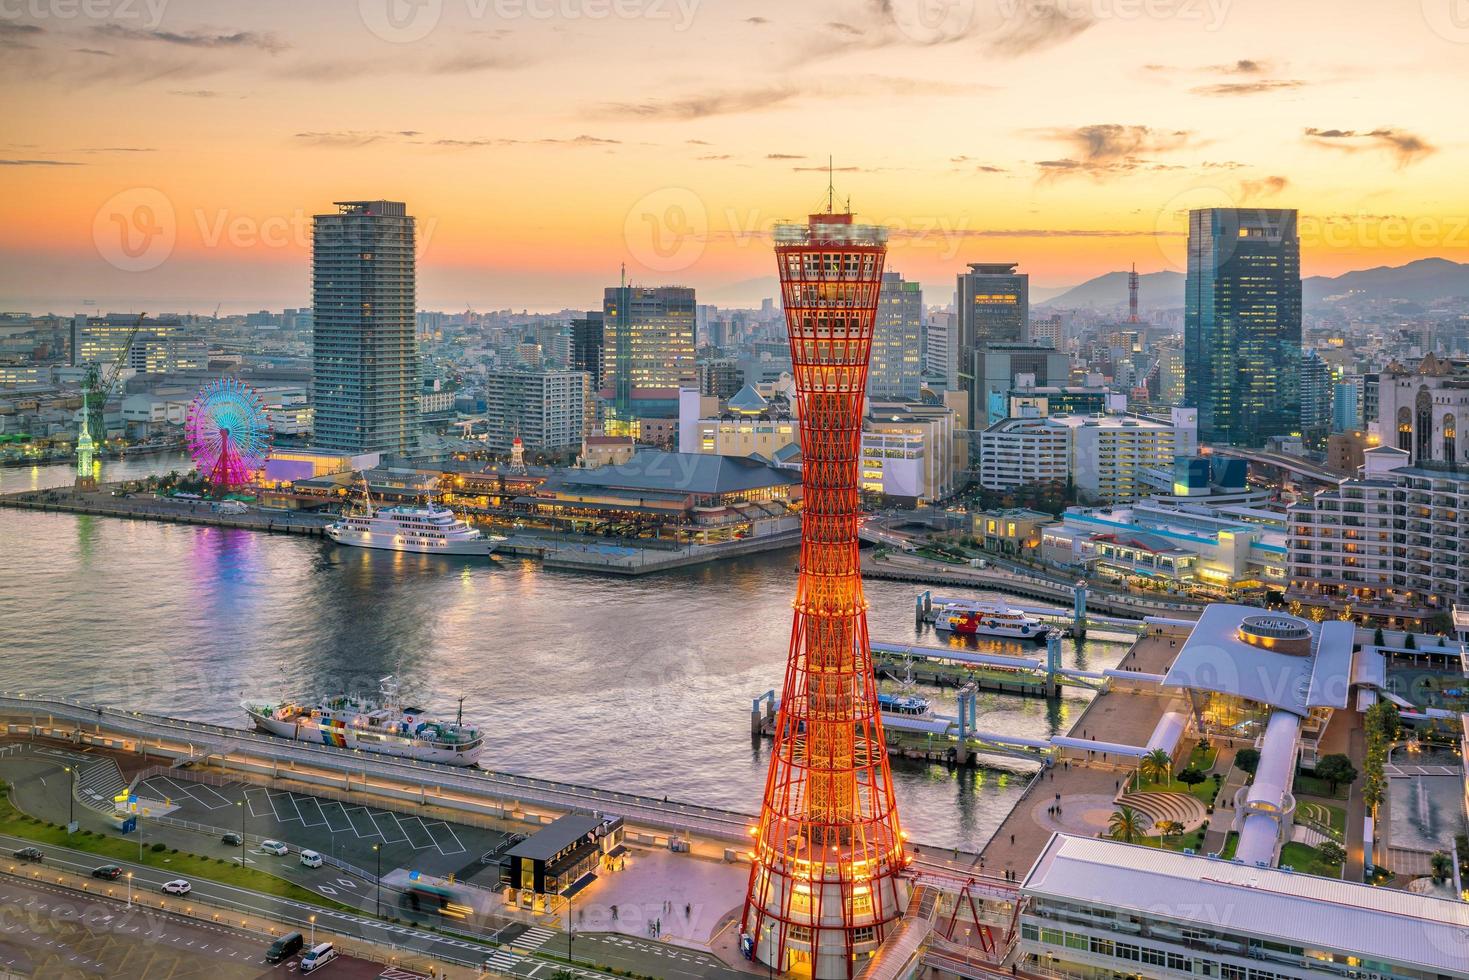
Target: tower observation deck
(824, 887)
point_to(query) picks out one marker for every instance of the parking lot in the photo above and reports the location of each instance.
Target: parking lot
(346, 831)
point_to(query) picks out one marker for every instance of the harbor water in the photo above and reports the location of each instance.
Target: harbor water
(642, 685)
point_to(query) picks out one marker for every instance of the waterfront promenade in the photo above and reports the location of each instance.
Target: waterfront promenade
(1126, 714)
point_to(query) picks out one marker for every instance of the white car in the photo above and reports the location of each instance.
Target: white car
(274, 847)
(310, 859)
(317, 957)
(177, 887)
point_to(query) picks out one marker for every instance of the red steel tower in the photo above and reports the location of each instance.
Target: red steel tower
(824, 883)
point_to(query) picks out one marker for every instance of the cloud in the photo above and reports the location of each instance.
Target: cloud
(195, 39)
(847, 29)
(198, 93)
(838, 170)
(582, 140)
(1246, 66)
(698, 142)
(118, 149)
(1264, 187)
(1406, 148)
(1109, 149)
(95, 52)
(1038, 25)
(1249, 88)
(757, 20)
(716, 156)
(355, 137)
(14, 35)
(40, 163)
(702, 105)
(785, 156)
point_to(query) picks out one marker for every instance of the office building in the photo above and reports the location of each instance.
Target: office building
(896, 369)
(161, 345)
(1106, 458)
(1346, 411)
(906, 451)
(364, 350)
(546, 409)
(648, 342)
(1419, 409)
(587, 346)
(1048, 331)
(1242, 324)
(940, 350)
(1316, 388)
(993, 308)
(1391, 542)
(999, 368)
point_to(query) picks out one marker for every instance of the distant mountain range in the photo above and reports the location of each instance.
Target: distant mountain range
(1423, 281)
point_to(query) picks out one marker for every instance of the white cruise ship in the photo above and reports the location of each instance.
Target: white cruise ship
(427, 529)
(383, 724)
(989, 619)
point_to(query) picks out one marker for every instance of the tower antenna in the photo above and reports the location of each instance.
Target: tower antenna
(831, 187)
(1132, 282)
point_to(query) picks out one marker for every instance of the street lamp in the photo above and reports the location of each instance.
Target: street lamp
(378, 849)
(130, 889)
(570, 929)
(72, 802)
(241, 805)
(313, 931)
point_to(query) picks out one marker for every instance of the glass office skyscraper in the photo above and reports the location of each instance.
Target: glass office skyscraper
(994, 308)
(897, 340)
(364, 373)
(648, 341)
(1242, 324)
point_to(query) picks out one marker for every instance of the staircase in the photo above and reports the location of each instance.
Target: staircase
(98, 782)
(1187, 810)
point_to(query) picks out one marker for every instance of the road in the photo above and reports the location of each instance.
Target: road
(50, 931)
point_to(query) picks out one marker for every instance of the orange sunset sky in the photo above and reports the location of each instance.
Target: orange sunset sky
(167, 155)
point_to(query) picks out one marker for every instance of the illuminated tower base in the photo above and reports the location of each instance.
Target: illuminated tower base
(825, 887)
(86, 457)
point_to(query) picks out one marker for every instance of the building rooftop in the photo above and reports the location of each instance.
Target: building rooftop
(1242, 651)
(683, 473)
(555, 837)
(1380, 924)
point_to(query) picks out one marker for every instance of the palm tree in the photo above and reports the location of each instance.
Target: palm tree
(1156, 766)
(1440, 866)
(1169, 828)
(1126, 824)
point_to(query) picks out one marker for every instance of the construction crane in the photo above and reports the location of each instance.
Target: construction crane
(97, 387)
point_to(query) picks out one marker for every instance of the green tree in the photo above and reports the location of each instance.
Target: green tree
(1410, 643)
(1156, 766)
(1125, 824)
(1247, 760)
(1377, 638)
(1169, 828)
(1331, 852)
(1191, 777)
(1440, 866)
(1336, 769)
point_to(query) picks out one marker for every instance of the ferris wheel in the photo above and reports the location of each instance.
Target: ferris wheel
(228, 432)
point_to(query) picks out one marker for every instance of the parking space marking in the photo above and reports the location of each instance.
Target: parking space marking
(304, 805)
(345, 823)
(418, 835)
(391, 821)
(445, 846)
(358, 824)
(281, 814)
(250, 802)
(224, 801)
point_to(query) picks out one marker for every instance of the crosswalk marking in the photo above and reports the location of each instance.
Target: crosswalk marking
(533, 938)
(503, 959)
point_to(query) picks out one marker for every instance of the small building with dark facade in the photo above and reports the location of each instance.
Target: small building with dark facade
(555, 859)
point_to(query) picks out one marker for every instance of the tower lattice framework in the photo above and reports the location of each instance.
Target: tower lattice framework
(824, 884)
